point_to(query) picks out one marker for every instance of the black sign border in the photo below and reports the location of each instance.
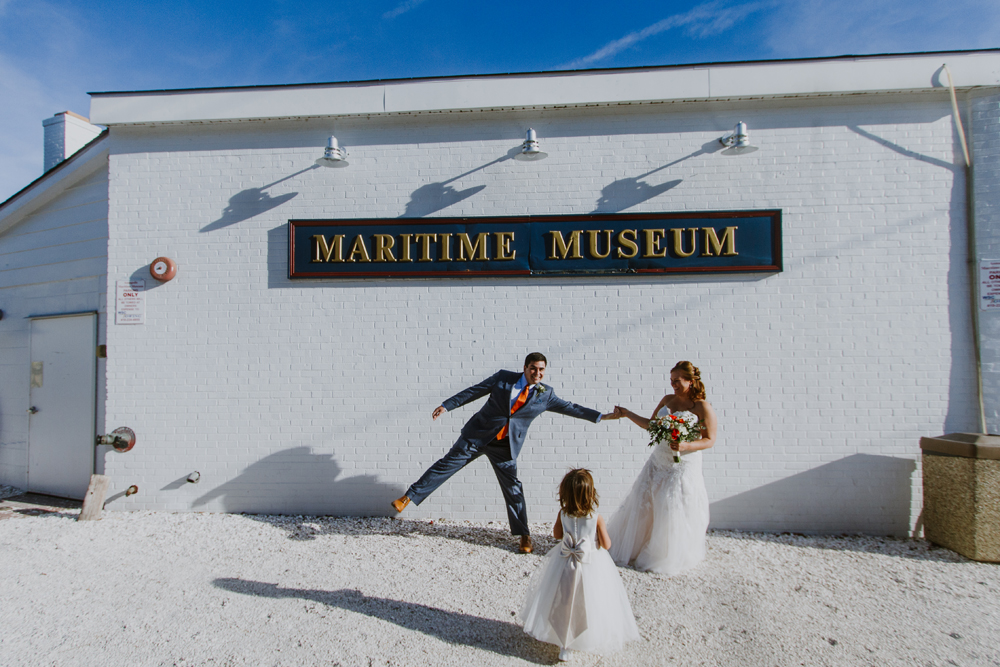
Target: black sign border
(773, 214)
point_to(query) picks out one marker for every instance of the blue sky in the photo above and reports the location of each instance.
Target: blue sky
(53, 52)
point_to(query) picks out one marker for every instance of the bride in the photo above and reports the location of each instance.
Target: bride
(661, 524)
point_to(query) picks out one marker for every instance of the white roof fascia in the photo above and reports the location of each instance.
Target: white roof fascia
(51, 184)
(835, 76)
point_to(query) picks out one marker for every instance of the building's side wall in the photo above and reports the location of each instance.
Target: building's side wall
(315, 397)
(53, 262)
(985, 123)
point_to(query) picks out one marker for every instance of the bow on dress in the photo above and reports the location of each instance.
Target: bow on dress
(575, 550)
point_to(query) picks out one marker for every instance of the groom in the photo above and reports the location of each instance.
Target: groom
(498, 431)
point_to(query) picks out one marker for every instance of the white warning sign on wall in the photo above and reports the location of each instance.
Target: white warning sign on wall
(130, 302)
(989, 284)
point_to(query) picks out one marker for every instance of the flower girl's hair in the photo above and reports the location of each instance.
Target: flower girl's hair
(691, 373)
(577, 495)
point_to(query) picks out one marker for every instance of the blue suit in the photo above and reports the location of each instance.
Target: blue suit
(479, 437)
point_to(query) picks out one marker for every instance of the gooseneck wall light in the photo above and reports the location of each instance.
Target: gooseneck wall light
(333, 156)
(738, 142)
(530, 150)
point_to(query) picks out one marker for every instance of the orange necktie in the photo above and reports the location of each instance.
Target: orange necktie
(522, 398)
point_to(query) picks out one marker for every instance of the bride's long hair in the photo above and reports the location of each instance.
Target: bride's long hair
(691, 373)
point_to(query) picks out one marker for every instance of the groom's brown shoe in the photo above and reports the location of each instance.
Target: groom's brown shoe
(399, 504)
(526, 546)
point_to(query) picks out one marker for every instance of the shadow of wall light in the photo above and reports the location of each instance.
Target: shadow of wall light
(530, 150)
(737, 142)
(333, 156)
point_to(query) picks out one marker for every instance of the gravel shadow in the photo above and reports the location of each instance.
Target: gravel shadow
(899, 547)
(452, 627)
(305, 528)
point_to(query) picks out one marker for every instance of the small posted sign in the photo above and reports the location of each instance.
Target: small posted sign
(989, 284)
(130, 302)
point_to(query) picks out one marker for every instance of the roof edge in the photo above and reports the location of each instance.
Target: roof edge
(599, 70)
(19, 204)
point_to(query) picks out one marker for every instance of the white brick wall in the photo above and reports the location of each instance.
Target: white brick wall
(316, 396)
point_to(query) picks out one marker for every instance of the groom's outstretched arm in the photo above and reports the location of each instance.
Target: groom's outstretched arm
(562, 407)
(472, 393)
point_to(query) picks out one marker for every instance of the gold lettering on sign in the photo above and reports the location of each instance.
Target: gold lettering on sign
(404, 248)
(592, 245)
(559, 245)
(653, 238)
(679, 241)
(425, 245)
(323, 252)
(503, 252)
(445, 241)
(713, 246)
(383, 248)
(626, 239)
(358, 248)
(468, 250)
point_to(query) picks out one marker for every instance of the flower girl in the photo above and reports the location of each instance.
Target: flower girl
(576, 598)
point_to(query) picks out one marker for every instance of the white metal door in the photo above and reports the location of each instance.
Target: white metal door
(63, 404)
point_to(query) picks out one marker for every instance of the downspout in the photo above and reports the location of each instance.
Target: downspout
(970, 232)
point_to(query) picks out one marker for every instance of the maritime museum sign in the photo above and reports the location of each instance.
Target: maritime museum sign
(612, 244)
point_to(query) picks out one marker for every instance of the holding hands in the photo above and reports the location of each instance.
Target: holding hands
(616, 414)
(638, 420)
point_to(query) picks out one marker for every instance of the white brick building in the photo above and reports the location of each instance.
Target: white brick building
(314, 396)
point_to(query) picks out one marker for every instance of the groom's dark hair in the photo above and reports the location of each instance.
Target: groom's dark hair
(535, 356)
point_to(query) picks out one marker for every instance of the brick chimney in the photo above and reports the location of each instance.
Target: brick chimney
(65, 134)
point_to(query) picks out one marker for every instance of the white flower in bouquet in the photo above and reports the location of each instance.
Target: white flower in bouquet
(678, 427)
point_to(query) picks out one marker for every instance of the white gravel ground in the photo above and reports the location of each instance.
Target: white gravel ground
(148, 588)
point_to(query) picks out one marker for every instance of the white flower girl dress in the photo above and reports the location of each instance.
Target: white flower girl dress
(576, 599)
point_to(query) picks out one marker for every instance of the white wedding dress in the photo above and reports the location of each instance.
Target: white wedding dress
(661, 524)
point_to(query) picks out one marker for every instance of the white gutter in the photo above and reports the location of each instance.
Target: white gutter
(971, 252)
(835, 76)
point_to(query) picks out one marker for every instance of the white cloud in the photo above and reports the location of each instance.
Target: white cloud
(21, 140)
(703, 21)
(402, 8)
(805, 28)
(817, 28)
(36, 85)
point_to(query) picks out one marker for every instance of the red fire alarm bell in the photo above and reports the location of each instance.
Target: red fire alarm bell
(163, 269)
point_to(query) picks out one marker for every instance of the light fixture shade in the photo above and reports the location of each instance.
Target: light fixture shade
(740, 135)
(530, 150)
(738, 142)
(333, 156)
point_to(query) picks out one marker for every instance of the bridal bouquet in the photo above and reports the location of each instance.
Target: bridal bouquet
(678, 427)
